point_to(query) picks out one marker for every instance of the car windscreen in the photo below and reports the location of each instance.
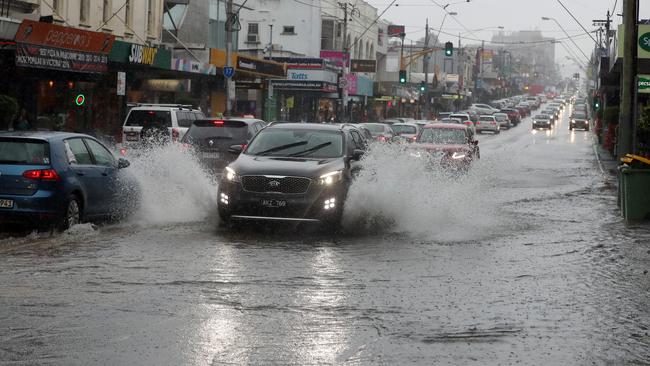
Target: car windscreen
(501, 117)
(579, 116)
(24, 152)
(542, 117)
(307, 143)
(142, 118)
(443, 136)
(375, 127)
(405, 129)
(217, 132)
(486, 119)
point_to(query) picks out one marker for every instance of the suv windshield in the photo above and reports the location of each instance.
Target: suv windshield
(443, 136)
(486, 119)
(142, 118)
(375, 127)
(579, 116)
(297, 143)
(542, 117)
(24, 152)
(400, 129)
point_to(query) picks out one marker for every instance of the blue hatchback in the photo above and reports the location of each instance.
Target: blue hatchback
(61, 178)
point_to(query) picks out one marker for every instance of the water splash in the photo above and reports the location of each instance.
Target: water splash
(398, 192)
(174, 187)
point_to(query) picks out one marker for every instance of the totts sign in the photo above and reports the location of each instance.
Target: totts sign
(142, 55)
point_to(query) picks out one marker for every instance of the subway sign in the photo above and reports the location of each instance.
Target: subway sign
(142, 55)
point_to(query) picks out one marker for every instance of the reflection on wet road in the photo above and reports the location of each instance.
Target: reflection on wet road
(525, 261)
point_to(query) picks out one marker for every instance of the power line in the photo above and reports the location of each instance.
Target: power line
(577, 21)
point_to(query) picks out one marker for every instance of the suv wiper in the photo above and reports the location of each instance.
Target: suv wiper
(315, 148)
(282, 147)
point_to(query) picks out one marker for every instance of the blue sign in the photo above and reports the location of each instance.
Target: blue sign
(228, 71)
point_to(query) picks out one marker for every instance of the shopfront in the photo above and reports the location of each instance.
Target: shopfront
(310, 91)
(58, 76)
(251, 77)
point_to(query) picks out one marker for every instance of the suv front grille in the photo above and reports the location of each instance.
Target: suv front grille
(264, 184)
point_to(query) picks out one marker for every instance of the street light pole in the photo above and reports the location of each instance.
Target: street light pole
(628, 86)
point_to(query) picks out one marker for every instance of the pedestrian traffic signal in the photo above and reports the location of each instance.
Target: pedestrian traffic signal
(596, 103)
(449, 49)
(423, 86)
(402, 76)
(80, 99)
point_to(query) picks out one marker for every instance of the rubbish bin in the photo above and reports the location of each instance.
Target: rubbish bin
(634, 188)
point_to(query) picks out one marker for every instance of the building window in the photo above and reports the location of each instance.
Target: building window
(128, 11)
(289, 29)
(108, 10)
(253, 35)
(151, 22)
(84, 6)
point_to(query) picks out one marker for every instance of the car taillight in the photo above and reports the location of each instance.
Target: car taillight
(381, 138)
(478, 122)
(175, 134)
(243, 147)
(493, 123)
(123, 151)
(218, 123)
(42, 174)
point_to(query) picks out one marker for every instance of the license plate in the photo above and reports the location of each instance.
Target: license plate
(131, 137)
(210, 155)
(6, 203)
(273, 203)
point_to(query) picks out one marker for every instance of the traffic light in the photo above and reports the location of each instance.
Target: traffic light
(402, 76)
(423, 86)
(449, 49)
(596, 103)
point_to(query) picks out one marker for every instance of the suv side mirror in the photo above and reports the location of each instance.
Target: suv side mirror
(357, 154)
(122, 163)
(236, 149)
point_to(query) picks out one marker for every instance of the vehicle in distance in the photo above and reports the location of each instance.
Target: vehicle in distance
(408, 131)
(542, 121)
(61, 179)
(483, 109)
(579, 120)
(380, 131)
(451, 145)
(155, 124)
(503, 120)
(487, 123)
(292, 173)
(513, 114)
(216, 142)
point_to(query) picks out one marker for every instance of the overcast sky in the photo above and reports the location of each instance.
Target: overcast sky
(513, 15)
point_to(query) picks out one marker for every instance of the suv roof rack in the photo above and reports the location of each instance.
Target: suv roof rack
(181, 106)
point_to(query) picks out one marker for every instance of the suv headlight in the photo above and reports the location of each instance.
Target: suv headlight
(230, 175)
(330, 178)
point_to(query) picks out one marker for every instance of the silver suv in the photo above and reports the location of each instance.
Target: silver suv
(158, 123)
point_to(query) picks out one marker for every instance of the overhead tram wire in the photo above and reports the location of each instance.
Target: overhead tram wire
(373, 23)
(577, 21)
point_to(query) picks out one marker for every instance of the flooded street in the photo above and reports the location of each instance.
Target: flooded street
(523, 261)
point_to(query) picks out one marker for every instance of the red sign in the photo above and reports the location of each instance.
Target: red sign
(51, 35)
(396, 30)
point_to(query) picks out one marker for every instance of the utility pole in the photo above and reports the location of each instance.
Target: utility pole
(628, 86)
(230, 18)
(427, 100)
(271, 42)
(461, 71)
(352, 10)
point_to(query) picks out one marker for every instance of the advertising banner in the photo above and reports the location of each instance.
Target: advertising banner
(50, 46)
(338, 58)
(363, 66)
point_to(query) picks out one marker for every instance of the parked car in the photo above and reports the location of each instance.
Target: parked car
(154, 124)
(292, 173)
(409, 131)
(451, 145)
(61, 179)
(215, 141)
(487, 123)
(380, 131)
(542, 121)
(483, 109)
(579, 120)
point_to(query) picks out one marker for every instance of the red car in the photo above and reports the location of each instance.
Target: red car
(513, 115)
(453, 144)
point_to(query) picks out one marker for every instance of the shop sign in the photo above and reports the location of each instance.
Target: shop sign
(351, 85)
(181, 64)
(131, 53)
(50, 46)
(338, 58)
(260, 67)
(312, 75)
(396, 30)
(249, 85)
(452, 78)
(644, 84)
(304, 85)
(167, 85)
(363, 66)
(301, 62)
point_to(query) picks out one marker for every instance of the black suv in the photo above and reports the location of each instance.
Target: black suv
(213, 139)
(293, 172)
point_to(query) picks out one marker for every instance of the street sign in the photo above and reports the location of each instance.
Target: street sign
(395, 30)
(343, 83)
(644, 84)
(364, 66)
(228, 72)
(121, 83)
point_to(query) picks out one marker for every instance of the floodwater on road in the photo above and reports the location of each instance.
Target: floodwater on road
(523, 261)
